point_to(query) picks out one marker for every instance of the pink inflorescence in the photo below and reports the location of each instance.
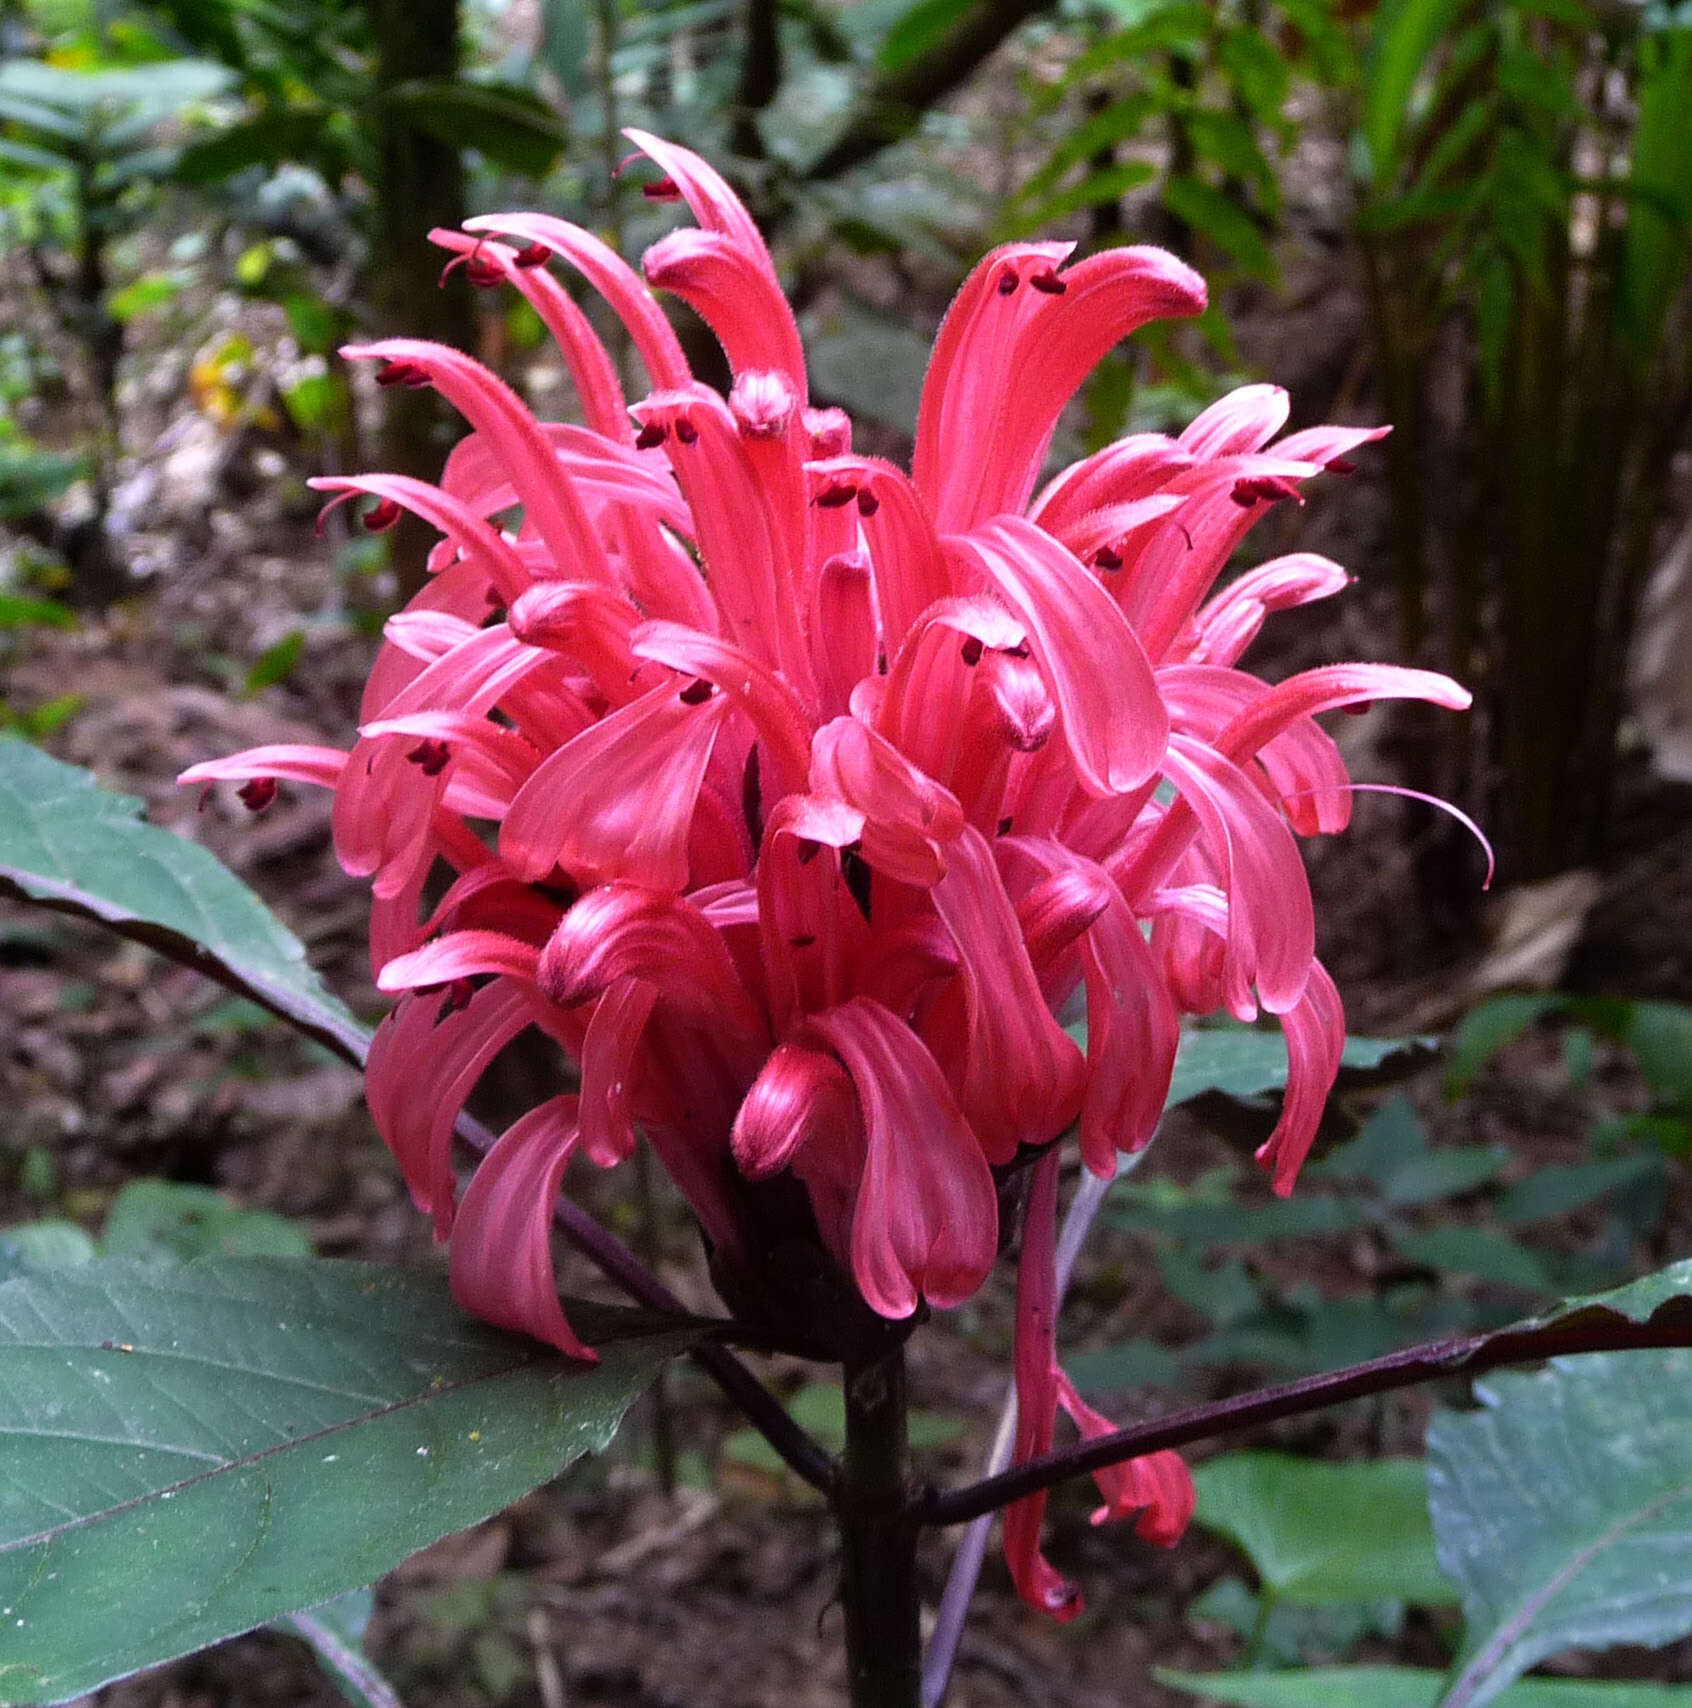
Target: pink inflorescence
(800, 799)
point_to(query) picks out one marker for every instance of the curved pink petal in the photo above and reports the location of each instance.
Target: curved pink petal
(1122, 473)
(926, 1222)
(1230, 622)
(908, 818)
(1157, 1487)
(803, 1096)
(965, 394)
(736, 294)
(1037, 1395)
(550, 503)
(1245, 420)
(421, 1067)
(1113, 721)
(744, 527)
(1021, 1076)
(466, 529)
(608, 1066)
(589, 624)
(1105, 298)
(297, 762)
(502, 1247)
(612, 277)
(905, 557)
(461, 955)
(617, 802)
(1315, 1031)
(590, 364)
(706, 191)
(621, 931)
(1271, 925)
(765, 699)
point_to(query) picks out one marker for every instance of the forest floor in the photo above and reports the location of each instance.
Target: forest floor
(604, 1589)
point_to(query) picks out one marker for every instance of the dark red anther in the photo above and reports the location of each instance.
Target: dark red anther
(458, 994)
(1106, 558)
(1274, 488)
(494, 599)
(661, 190)
(483, 273)
(1048, 283)
(868, 503)
(1244, 493)
(836, 496)
(532, 255)
(650, 437)
(803, 941)
(402, 373)
(1005, 825)
(430, 757)
(1007, 284)
(256, 795)
(381, 516)
(1340, 465)
(807, 850)
(1021, 650)
(686, 432)
(696, 693)
(971, 650)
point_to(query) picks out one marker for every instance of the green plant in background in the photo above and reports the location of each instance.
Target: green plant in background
(85, 147)
(1524, 208)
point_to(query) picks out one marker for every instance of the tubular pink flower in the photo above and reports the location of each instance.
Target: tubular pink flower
(502, 1257)
(795, 797)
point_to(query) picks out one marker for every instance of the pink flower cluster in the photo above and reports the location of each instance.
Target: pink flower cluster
(802, 800)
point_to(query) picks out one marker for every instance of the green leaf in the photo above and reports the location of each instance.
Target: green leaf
(870, 363)
(168, 1221)
(919, 31)
(265, 139)
(1659, 227)
(195, 1451)
(1320, 1533)
(1563, 1509)
(276, 663)
(1556, 1191)
(1480, 1252)
(1660, 1036)
(1220, 218)
(1240, 1061)
(1487, 1029)
(71, 845)
(18, 611)
(1404, 33)
(504, 123)
(31, 479)
(1408, 1687)
(47, 1244)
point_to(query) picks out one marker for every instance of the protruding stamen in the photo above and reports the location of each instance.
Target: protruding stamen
(1340, 465)
(1008, 282)
(971, 650)
(661, 190)
(532, 255)
(410, 374)
(381, 516)
(256, 794)
(650, 437)
(686, 432)
(1048, 283)
(868, 503)
(836, 496)
(1107, 558)
(696, 693)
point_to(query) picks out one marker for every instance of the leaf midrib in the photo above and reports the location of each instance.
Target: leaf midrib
(227, 1467)
(1476, 1673)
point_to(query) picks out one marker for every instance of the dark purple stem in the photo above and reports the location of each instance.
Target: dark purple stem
(1593, 1330)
